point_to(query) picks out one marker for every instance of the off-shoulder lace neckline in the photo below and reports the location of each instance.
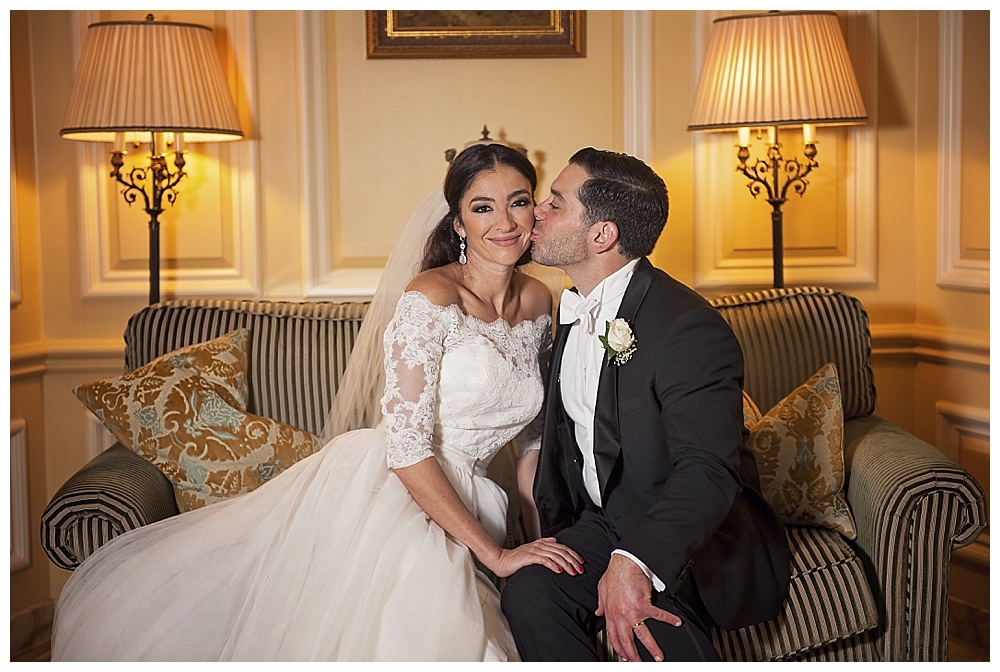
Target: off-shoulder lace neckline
(454, 306)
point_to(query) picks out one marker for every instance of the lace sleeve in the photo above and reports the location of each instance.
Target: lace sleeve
(414, 345)
(530, 438)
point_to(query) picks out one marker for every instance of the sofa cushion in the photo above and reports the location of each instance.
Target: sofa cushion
(799, 448)
(296, 352)
(788, 334)
(216, 451)
(126, 403)
(828, 600)
(184, 412)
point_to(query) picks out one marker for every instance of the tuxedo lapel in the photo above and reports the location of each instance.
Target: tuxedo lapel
(607, 436)
(555, 362)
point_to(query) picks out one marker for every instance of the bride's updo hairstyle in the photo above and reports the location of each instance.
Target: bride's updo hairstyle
(442, 244)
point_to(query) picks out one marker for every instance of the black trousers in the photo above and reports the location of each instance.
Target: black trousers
(552, 615)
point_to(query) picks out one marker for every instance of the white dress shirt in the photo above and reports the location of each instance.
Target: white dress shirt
(582, 361)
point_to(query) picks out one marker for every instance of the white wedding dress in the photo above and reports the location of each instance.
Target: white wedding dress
(333, 559)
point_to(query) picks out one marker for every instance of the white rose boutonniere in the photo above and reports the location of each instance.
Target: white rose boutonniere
(618, 341)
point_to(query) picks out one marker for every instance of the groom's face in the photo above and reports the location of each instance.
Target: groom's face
(560, 234)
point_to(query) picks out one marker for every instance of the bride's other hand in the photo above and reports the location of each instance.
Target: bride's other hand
(435, 494)
(545, 551)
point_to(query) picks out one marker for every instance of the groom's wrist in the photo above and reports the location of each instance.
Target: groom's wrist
(654, 580)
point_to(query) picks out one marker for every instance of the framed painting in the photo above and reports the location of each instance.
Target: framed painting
(474, 33)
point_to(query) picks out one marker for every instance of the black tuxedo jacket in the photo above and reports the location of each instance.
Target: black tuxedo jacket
(677, 481)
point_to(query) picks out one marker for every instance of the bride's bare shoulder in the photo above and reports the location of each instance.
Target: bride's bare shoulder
(437, 284)
(535, 296)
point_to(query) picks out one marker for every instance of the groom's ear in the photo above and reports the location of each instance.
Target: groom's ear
(603, 236)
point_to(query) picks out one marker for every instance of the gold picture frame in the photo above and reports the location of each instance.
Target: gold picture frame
(475, 33)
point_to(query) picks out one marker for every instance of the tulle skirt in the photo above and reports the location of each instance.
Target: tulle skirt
(332, 560)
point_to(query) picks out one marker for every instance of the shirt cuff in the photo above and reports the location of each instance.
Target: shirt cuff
(658, 585)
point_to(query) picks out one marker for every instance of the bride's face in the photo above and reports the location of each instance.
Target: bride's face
(497, 216)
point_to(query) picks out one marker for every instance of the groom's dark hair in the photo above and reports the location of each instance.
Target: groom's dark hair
(624, 190)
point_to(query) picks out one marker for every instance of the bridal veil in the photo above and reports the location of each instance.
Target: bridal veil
(358, 401)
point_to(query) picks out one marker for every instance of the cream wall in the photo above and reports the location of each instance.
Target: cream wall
(339, 150)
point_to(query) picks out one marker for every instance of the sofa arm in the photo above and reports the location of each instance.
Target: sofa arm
(912, 506)
(115, 492)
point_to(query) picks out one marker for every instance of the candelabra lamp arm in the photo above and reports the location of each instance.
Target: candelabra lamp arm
(162, 183)
(795, 172)
(132, 181)
(757, 174)
(765, 177)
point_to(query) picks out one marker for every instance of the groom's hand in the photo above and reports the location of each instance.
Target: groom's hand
(623, 598)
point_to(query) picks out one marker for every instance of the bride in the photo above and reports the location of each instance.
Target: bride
(366, 550)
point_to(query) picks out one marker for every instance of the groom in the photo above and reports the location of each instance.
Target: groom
(643, 468)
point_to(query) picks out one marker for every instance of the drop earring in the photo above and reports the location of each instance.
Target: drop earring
(462, 259)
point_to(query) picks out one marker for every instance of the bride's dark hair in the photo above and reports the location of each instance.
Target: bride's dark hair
(442, 245)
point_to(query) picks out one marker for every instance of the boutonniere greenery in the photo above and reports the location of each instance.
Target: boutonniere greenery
(618, 341)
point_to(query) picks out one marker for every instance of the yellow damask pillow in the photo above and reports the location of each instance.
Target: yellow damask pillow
(751, 414)
(799, 447)
(185, 412)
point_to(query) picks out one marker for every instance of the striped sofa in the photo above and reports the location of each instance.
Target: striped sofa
(883, 596)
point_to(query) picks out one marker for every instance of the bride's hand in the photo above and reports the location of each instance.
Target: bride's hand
(545, 551)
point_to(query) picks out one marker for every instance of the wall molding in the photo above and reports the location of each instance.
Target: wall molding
(953, 271)
(638, 83)
(907, 341)
(715, 160)
(976, 554)
(241, 277)
(30, 633)
(957, 420)
(15, 253)
(323, 280)
(97, 356)
(20, 523)
(925, 343)
(27, 361)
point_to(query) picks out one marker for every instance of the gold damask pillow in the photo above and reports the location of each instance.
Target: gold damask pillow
(751, 414)
(185, 412)
(799, 447)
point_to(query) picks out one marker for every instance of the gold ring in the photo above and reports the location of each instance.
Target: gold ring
(638, 624)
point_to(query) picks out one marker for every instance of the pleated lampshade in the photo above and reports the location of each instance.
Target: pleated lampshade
(150, 76)
(776, 69)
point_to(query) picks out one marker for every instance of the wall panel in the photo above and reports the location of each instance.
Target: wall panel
(379, 137)
(30, 578)
(15, 254)
(20, 520)
(964, 434)
(963, 153)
